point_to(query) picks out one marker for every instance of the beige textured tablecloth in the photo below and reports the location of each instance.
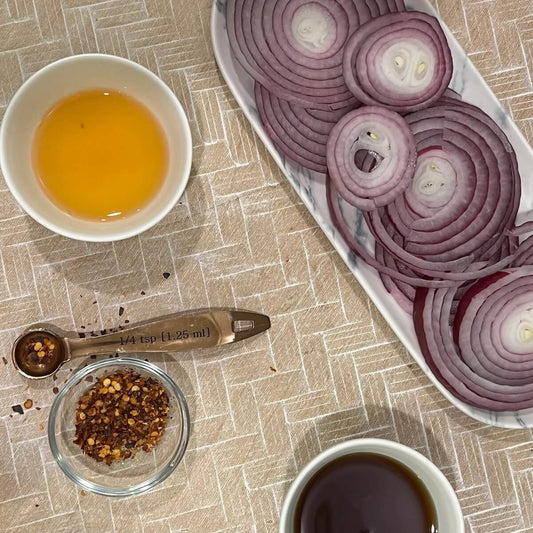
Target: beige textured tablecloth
(328, 370)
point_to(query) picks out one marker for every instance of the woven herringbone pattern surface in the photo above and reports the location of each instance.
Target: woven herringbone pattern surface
(328, 370)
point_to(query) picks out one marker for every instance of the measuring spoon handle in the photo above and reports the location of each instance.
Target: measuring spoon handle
(176, 333)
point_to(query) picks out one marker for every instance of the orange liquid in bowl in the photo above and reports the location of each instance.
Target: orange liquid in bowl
(100, 155)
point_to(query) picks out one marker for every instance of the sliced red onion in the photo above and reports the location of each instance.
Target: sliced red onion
(371, 157)
(294, 48)
(463, 200)
(526, 227)
(524, 253)
(299, 133)
(491, 364)
(398, 273)
(403, 293)
(400, 61)
(382, 7)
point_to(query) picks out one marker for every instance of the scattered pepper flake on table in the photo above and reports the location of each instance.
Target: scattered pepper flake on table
(28, 404)
(166, 275)
(18, 409)
(120, 414)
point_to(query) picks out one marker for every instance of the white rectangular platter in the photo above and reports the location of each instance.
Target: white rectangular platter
(311, 188)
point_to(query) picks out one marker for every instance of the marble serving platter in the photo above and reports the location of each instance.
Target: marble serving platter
(311, 188)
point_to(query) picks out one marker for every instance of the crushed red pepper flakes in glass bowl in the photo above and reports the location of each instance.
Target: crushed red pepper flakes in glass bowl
(132, 445)
(122, 413)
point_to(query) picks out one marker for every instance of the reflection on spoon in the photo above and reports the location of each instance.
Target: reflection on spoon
(41, 350)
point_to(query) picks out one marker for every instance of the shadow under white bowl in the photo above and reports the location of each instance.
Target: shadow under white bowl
(71, 75)
(449, 515)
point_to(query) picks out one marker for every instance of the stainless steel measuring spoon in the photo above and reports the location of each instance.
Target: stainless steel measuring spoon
(41, 350)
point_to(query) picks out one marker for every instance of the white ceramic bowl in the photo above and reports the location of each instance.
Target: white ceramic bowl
(65, 77)
(449, 515)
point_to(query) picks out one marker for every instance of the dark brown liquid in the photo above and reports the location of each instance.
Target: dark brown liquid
(365, 493)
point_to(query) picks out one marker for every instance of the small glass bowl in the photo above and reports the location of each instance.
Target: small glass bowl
(136, 474)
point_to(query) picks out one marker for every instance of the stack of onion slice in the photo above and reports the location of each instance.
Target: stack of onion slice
(486, 358)
(298, 132)
(462, 201)
(294, 48)
(458, 210)
(358, 90)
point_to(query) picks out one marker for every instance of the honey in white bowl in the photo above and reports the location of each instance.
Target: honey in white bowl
(100, 155)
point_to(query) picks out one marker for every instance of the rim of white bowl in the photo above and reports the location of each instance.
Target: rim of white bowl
(382, 446)
(105, 236)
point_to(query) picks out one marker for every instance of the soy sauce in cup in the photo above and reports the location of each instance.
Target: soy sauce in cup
(365, 493)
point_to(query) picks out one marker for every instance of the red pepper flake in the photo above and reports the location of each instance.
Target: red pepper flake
(120, 311)
(273, 369)
(41, 427)
(121, 408)
(55, 390)
(83, 493)
(38, 408)
(28, 404)
(166, 275)
(5, 360)
(142, 293)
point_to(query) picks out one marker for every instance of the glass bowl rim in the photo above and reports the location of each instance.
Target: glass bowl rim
(157, 478)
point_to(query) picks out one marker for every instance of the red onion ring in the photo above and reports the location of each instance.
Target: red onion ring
(294, 48)
(491, 365)
(299, 133)
(402, 292)
(400, 61)
(358, 248)
(463, 200)
(371, 157)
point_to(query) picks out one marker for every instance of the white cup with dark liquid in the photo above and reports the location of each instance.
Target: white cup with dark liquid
(371, 485)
